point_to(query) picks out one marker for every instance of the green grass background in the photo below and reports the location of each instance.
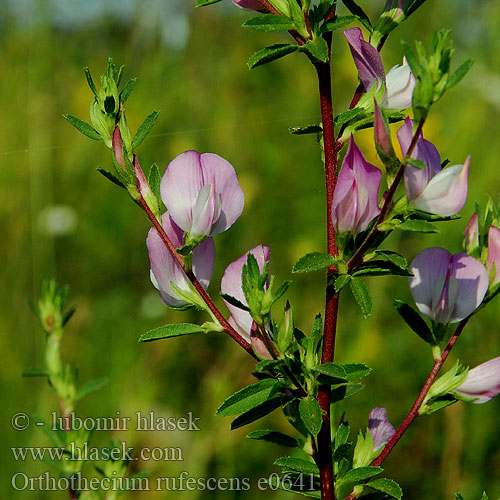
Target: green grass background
(209, 101)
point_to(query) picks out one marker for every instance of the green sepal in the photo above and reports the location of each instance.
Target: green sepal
(168, 331)
(269, 22)
(127, 90)
(314, 261)
(413, 162)
(271, 53)
(91, 387)
(144, 129)
(297, 465)
(249, 397)
(387, 486)
(274, 437)
(362, 295)
(311, 414)
(83, 127)
(413, 319)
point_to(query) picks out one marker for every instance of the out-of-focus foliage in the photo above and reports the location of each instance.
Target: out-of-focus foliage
(60, 218)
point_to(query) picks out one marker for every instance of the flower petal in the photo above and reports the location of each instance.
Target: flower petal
(494, 252)
(446, 192)
(380, 428)
(249, 4)
(180, 186)
(366, 58)
(400, 84)
(482, 382)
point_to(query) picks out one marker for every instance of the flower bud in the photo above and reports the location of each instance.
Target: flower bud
(145, 190)
(249, 4)
(482, 382)
(355, 198)
(447, 288)
(494, 253)
(471, 236)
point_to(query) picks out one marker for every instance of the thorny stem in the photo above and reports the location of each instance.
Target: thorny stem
(204, 295)
(388, 197)
(413, 413)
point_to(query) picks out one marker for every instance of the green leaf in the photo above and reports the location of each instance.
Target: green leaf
(202, 3)
(387, 486)
(112, 177)
(418, 226)
(269, 364)
(458, 496)
(90, 81)
(333, 373)
(274, 437)
(342, 281)
(347, 116)
(394, 257)
(144, 129)
(90, 387)
(249, 397)
(154, 179)
(297, 465)
(281, 290)
(234, 302)
(345, 391)
(167, 331)
(337, 23)
(462, 70)
(362, 296)
(413, 319)
(83, 127)
(342, 434)
(360, 474)
(311, 414)
(256, 413)
(317, 49)
(355, 9)
(34, 372)
(314, 261)
(270, 54)
(356, 371)
(127, 90)
(308, 129)
(485, 496)
(269, 22)
(380, 268)
(68, 314)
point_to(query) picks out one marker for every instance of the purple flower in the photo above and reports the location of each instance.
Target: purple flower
(355, 198)
(399, 82)
(447, 288)
(482, 382)
(166, 270)
(249, 4)
(201, 193)
(231, 285)
(380, 428)
(471, 235)
(494, 252)
(432, 189)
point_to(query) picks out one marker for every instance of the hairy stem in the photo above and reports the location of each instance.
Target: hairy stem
(413, 413)
(204, 295)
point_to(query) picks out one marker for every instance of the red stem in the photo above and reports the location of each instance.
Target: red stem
(413, 413)
(204, 295)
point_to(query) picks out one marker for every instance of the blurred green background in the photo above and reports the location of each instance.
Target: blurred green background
(60, 218)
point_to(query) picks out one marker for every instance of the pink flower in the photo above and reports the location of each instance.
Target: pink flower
(355, 200)
(380, 428)
(432, 189)
(494, 252)
(201, 193)
(482, 382)
(231, 285)
(447, 288)
(471, 235)
(399, 82)
(166, 270)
